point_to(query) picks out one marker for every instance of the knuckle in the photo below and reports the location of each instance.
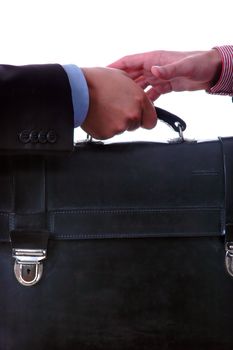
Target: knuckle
(135, 111)
(111, 133)
(100, 135)
(107, 135)
(119, 130)
(139, 98)
(133, 116)
(151, 123)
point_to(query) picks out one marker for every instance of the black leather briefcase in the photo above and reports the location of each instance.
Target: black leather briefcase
(118, 247)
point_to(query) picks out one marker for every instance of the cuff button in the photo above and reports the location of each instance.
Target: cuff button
(51, 136)
(42, 137)
(34, 136)
(24, 136)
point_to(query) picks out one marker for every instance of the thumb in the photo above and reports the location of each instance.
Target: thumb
(169, 71)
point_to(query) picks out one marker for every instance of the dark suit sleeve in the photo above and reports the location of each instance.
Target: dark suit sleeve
(36, 111)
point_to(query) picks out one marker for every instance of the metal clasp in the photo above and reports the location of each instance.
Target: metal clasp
(181, 135)
(229, 257)
(28, 266)
(29, 248)
(229, 248)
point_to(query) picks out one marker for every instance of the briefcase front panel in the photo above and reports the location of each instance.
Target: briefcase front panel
(135, 253)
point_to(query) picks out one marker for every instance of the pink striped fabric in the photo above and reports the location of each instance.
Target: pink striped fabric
(225, 84)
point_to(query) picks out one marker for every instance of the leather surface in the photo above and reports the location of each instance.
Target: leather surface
(162, 285)
(118, 190)
(121, 294)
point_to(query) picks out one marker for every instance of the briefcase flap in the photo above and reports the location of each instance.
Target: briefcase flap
(139, 189)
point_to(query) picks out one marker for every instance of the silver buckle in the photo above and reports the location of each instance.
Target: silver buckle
(28, 266)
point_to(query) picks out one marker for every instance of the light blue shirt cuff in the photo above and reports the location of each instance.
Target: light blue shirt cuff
(79, 92)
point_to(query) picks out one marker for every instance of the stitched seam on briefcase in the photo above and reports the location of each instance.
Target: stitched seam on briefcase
(134, 235)
(95, 211)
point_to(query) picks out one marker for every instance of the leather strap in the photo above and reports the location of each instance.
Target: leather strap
(29, 193)
(171, 119)
(227, 149)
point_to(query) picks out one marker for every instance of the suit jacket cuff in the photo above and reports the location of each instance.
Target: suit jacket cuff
(36, 109)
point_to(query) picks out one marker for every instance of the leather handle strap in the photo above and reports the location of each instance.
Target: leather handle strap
(171, 119)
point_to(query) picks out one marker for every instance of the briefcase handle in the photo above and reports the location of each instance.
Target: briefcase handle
(171, 119)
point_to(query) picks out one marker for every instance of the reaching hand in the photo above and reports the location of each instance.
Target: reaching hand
(167, 71)
(116, 104)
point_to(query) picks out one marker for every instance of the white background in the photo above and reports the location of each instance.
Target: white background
(95, 33)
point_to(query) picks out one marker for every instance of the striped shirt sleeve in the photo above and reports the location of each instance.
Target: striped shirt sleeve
(224, 85)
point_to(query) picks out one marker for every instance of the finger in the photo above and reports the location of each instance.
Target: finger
(181, 68)
(162, 87)
(149, 116)
(134, 74)
(142, 82)
(166, 72)
(153, 94)
(130, 62)
(134, 125)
